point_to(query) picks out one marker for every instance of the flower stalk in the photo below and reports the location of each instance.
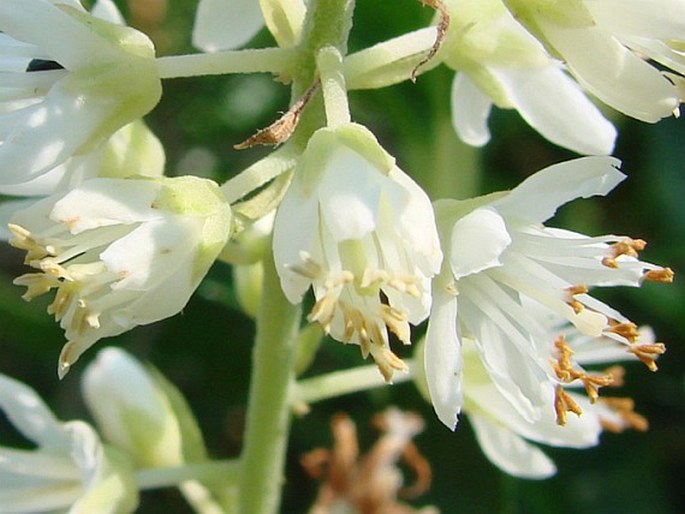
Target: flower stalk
(225, 471)
(268, 417)
(253, 60)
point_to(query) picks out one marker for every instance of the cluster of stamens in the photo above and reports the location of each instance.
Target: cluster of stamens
(631, 248)
(623, 407)
(366, 325)
(566, 372)
(68, 303)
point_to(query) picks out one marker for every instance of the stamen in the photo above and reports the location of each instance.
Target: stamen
(617, 374)
(396, 321)
(387, 362)
(309, 268)
(628, 246)
(648, 353)
(663, 275)
(592, 384)
(565, 372)
(571, 301)
(623, 407)
(626, 330)
(563, 403)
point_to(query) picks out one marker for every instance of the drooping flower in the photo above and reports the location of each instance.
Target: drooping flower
(120, 252)
(370, 483)
(228, 24)
(69, 81)
(503, 266)
(360, 233)
(607, 45)
(69, 471)
(498, 62)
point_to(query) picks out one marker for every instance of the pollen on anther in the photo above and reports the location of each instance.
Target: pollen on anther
(663, 275)
(563, 403)
(627, 330)
(648, 353)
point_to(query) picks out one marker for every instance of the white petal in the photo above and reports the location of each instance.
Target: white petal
(108, 11)
(470, 111)
(152, 252)
(295, 230)
(350, 195)
(538, 197)
(112, 376)
(442, 360)
(509, 452)
(44, 135)
(614, 74)
(103, 202)
(8, 209)
(579, 432)
(417, 220)
(555, 106)
(662, 19)
(477, 241)
(226, 24)
(27, 412)
(39, 21)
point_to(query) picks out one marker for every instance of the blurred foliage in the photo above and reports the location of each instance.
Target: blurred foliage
(205, 350)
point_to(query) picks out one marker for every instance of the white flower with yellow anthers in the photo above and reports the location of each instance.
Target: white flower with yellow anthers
(68, 80)
(360, 233)
(500, 259)
(505, 435)
(120, 252)
(498, 62)
(607, 44)
(69, 471)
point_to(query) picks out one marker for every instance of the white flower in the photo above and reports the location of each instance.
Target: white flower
(362, 234)
(139, 412)
(69, 471)
(227, 24)
(120, 252)
(499, 62)
(504, 434)
(500, 261)
(69, 80)
(604, 44)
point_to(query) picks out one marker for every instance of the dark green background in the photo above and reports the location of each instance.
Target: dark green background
(205, 350)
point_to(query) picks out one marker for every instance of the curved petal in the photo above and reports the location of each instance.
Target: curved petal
(477, 242)
(554, 105)
(442, 358)
(509, 452)
(538, 197)
(662, 19)
(470, 111)
(295, 230)
(614, 74)
(579, 432)
(103, 202)
(76, 45)
(27, 412)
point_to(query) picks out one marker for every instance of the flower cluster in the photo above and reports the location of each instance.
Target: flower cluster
(515, 337)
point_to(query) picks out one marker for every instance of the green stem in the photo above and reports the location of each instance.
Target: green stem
(268, 414)
(260, 60)
(228, 471)
(329, 62)
(338, 383)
